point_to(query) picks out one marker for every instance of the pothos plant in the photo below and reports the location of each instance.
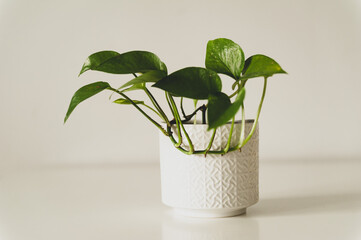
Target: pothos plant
(223, 56)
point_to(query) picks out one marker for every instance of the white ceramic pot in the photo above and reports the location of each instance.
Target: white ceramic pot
(211, 186)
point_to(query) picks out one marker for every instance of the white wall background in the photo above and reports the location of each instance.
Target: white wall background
(313, 112)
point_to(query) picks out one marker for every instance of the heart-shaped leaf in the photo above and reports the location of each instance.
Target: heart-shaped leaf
(127, 102)
(221, 110)
(225, 56)
(260, 66)
(151, 76)
(191, 82)
(84, 93)
(129, 62)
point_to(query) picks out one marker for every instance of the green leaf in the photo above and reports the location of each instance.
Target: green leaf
(221, 110)
(129, 62)
(225, 56)
(96, 60)
(84, 93)
(191, 82)
(260, 66)
(151, 76)
(127, 102)
(138, 86)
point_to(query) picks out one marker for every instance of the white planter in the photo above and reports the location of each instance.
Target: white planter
(211, 186)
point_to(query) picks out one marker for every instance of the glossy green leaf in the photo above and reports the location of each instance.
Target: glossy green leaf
(96, 60)
(191, 82)
(260, 66)
(151, 76)
(84, 93)
(129, 62)
(221, 110)
(225, 56)
(127, 102)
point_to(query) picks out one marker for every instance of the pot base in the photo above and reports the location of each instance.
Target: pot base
(209, 213)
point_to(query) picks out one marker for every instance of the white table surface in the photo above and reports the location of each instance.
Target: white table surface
(299, 199)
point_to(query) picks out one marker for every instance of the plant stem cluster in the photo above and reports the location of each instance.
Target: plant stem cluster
(179, 122)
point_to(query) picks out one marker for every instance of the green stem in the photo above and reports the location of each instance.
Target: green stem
(229, 137)
(217, 152)
(160, 112)
(169, 129)
(135, 75)
(145, 105)
(170, 106)
(157, 106)
(182, 109)
(243, 126)
(258, 113)
(176, 117)
(235, 93)
(221, 152)
(191, 147)
(239, 88)
(195, 108)
(140, 110)
(189, 117)
(210, 143)
(170, 134)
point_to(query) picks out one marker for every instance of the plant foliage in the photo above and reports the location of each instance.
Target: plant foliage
(223, 56)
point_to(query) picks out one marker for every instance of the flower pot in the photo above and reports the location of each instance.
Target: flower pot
(212, 185)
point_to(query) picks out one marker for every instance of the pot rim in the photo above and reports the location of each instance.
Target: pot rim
(228, 123)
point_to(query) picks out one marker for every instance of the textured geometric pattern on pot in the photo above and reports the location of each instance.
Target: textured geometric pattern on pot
(215, 181)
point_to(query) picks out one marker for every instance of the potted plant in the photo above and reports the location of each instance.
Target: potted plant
(208, 168)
